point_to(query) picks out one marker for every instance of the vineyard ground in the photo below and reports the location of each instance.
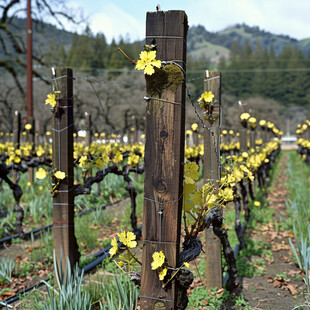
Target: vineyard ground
(278, 286)
(281, 286)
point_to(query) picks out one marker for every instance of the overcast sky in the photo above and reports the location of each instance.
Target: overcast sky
(122, 17)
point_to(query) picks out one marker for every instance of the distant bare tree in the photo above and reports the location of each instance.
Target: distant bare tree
(12, 45)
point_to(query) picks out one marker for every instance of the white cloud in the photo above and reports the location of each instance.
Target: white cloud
(113, 22)
(276, 16)
(117, 17)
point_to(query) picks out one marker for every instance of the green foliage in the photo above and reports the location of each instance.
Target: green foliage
(86, 237)
(70, 294)
(239, 301)
(126, 221)
(33, 300)
(45, 250)
(101, 217)
(302, 255)
(298, 193)
(86, 260)
(6, 267)
(120, 293)
(248, 267)
(199, 296)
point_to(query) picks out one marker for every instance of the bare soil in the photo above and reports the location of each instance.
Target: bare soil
(281, 287)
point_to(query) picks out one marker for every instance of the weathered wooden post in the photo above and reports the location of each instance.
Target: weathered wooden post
(195, 130)
(16, 138)
(243, 129)
(88, 129)
(164, 158)
(212, 171)
(63, 199)
(31, 140)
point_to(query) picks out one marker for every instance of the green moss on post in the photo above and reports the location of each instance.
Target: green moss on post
(167, 78)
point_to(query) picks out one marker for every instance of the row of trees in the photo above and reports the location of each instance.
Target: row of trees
(92, 53)
(284, 77)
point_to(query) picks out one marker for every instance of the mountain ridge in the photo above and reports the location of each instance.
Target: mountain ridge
(201, 43)
(199, 39)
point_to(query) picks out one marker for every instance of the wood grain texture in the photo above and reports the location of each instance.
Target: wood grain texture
(243, 131)
(16, 138)
(212, 136)
(164, 158)
(63, 200)
(212, 171)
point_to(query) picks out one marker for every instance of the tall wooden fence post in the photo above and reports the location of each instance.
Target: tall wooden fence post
(243, 131)
(164, 158)
(212, 171)
(31, 140)
(16, 138)
(63, 200)
(88, 129)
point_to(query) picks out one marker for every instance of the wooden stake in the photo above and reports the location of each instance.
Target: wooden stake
(31, 140)
(63, 200)
(212, 171)
(16, 138)
(243, 131)
(88, 129)
(164, 158)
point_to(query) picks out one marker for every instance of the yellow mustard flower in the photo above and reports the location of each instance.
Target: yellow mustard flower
(194, 126)
(245, 155)
(51, 99)
(28, 184)
(128, 239)
(16, 159)
(226, 194)
(206, 97)
(162, 274)
(252, 120)
(28, 126)
(41, 188)
(133, 160)
(41, 174)
(114, 248)
(256, 203)
(83, 161)
(158, 260)
(60, 175)
(244, 116)
(186, 264)
(147, 62)
(118, 157)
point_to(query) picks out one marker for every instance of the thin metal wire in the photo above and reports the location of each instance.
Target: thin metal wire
(147, 98)
(160, 242)
(165, 202)
(154, 298)
(165, 37)
(60, 130)
(210, 129)
(197, 269)
(174, 62)
(210, 79)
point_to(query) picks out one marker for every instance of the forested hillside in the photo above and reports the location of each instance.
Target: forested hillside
(254, 63)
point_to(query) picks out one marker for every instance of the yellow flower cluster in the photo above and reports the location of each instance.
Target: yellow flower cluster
(147, 62)
(127, 238)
